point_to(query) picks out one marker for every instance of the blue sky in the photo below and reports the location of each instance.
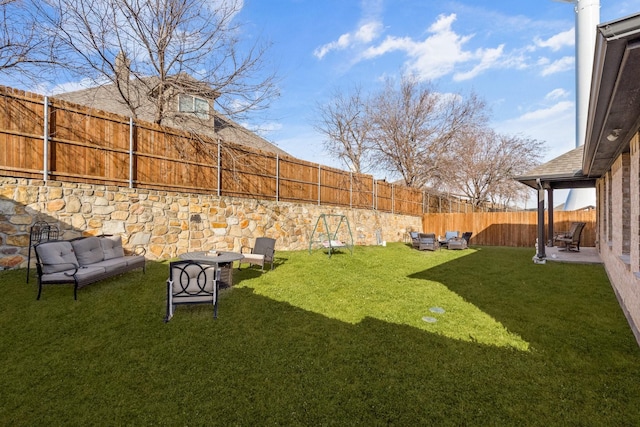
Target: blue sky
(518, 55)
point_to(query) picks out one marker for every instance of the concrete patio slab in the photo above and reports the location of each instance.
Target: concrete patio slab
(585, 256)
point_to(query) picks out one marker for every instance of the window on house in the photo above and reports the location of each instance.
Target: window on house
(193, 105)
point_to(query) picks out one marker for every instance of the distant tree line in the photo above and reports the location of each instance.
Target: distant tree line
(427, 139)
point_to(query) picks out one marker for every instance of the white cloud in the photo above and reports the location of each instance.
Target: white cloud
(433, 57)
(441, 52)
(552, 124)
(556, 94)
(489, 57)
(563, 64)
(366, 33)
(557, 42)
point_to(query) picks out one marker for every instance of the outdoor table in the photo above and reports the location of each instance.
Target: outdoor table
(220, 258)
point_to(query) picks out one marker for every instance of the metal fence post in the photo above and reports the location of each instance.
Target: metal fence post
(277, 177)
(45, 140)
(219, 168)
(130, 152)
(350, 189)
(393, 198)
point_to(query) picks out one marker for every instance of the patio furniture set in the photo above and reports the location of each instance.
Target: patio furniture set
(194, 279)
(451, 240)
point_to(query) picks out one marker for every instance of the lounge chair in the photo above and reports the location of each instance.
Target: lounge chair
(571, 238)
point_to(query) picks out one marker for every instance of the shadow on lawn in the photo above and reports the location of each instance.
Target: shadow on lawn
(538, 302)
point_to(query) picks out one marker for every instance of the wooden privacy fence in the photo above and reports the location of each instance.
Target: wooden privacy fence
(508, 228)
(52, 139)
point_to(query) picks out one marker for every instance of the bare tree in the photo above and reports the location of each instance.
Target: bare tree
(482, 165)
(413, 128)
(344, 122)
(22, 47)
(156, 49)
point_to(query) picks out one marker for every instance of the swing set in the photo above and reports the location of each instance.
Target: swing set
(331, 232)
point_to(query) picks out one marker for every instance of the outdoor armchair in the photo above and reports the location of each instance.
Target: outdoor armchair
(448, 235)
(571, 238)
(415, 240)
(263, 251)
(427, 241)
(191, 283)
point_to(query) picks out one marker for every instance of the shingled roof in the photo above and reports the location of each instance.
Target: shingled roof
(565, 171)
(107, 98)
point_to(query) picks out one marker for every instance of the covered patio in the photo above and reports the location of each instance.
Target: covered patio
(563, 172)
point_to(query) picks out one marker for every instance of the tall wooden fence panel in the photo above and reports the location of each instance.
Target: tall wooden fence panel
(22, 121)
(508, 228)
(58, 140)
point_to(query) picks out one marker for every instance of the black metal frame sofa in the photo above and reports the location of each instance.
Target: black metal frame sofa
(83, 261)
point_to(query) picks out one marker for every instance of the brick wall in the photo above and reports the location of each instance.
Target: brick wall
(619, 198)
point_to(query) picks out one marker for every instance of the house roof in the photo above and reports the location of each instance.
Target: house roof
(107, 98)
(565, 171)
(614, 105)
(614, 111)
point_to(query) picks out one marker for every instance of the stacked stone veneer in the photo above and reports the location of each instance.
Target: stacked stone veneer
(170, 223)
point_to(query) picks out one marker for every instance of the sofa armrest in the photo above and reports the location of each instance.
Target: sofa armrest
(139, 250)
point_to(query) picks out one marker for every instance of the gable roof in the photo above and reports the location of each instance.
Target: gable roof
(108, 98)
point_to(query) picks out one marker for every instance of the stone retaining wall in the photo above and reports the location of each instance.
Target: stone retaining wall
(169, 223)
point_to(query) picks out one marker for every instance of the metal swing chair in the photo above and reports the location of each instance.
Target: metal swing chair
(326, 236)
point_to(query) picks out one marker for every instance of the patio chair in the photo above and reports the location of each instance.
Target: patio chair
(448, 235)
(415, 240)
(427, 241)
(571, 238)
(467, 236)
(262, 251)
(191, 283)
(40, 232)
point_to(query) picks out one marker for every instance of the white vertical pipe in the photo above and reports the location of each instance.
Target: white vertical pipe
(45, 141)
(586, 22)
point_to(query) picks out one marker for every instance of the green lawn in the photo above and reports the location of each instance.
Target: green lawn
(328, 341)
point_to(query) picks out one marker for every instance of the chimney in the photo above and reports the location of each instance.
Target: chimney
(587, 19)
(122, 68)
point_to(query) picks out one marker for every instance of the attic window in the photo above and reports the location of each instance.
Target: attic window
(193, 105)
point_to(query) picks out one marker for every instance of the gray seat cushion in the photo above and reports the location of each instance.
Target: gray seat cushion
(56, 256)
(88, 250)
(84, 276)
(112, 247)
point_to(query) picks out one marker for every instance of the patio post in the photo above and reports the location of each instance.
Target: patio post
(550, 217)
(540, 257)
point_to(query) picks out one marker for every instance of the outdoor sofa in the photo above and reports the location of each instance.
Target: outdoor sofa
(83, 261)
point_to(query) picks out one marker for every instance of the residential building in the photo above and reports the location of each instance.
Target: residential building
(186, 104)
(608, 161)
